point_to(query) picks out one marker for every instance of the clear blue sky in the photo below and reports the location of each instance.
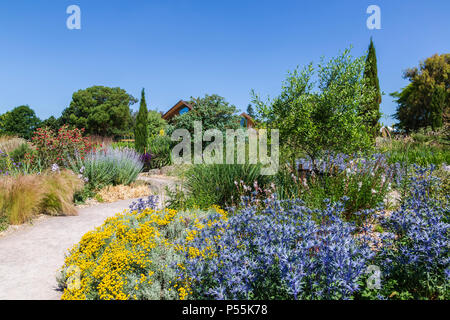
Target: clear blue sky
(178, 49)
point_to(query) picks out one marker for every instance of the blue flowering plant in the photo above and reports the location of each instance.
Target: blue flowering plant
(146, 160)
(415, 251)
(141, 204)
(278, 253)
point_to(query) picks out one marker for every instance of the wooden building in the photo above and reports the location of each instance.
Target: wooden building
(179, 108)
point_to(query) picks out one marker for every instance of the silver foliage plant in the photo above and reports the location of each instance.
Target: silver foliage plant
(108, 166)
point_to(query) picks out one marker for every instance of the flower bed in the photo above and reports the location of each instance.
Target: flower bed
(282, 250)
(131, 256)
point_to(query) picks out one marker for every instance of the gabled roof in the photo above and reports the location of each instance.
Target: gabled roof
(182, 104)
(249, 119)
(175, 109)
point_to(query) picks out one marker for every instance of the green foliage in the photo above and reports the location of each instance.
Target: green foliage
(422, 148)
(217, 184)
(21, 121)
(419, 154)
(371, 112)
(160, 149)
(327, 119)
(84, 194)
(122, 144)
(364, 189)
(100, 110)
(212, 110)
(3, 223)
(179, 199)
(140, 131)
(426, 100)
(155, 123)
(20, 152)
(251, 111)
(52, 123)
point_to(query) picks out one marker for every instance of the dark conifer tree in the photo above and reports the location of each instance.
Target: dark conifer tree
(140, 130)
(371, 112)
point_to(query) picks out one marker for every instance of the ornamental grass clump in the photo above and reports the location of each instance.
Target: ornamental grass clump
(24, 196)
(215, 184)
(20, 197)
(131, 256)
(59, 188)
(279, 253)
(10, 143)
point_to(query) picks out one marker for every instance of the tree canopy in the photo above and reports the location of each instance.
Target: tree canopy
(21, 121)
(51, 123)
(212, 110)
(314, 116)
(425, 102)
(155, 123)
(100, 110)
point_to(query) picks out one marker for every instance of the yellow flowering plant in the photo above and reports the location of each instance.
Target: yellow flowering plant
(132, 256)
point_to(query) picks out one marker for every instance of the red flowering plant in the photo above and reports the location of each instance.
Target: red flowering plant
(52, 147)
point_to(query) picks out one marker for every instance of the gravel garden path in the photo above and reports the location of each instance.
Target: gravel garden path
(31, 255)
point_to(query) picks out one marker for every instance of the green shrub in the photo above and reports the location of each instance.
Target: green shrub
(420, 153)
(364, 181)
(7, 164)
(319, 108)
(20, 152)
(56, 147)
(217, 184)
(160, 150)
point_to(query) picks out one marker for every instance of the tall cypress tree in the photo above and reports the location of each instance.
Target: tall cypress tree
(250, 111)
(371, 113)
(140, 131)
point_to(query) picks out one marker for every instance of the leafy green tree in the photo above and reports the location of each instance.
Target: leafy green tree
(21, 121)
(425, 101)
(322, 115)
(371, 112)
(140, 130)
(251, 111)
(212, 110)
(51, 123)
(100, 110)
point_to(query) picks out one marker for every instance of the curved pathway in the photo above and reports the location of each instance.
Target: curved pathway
(31, 256)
